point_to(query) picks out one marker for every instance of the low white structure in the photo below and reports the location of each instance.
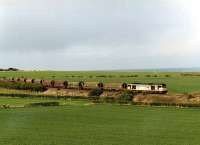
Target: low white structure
(148, 87)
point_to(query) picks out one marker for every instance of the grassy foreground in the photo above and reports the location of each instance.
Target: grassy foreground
(176, 82)
(100, 125)
(20, 102)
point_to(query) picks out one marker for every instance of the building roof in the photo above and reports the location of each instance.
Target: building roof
(146, 84)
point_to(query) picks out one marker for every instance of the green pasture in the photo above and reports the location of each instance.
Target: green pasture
(176, 82)
(100, 125)
(20, 102)
(16, 101)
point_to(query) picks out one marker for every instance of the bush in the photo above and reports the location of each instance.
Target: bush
(13, 79)
(111, 76)
(100, 85)
(109, 99)
(128, 76)
(124, 85)
(167, 76)
(131, 76)
(25, 80)
(22, 86)
(6, 106)
(43, 104)
(52, 83)
(126, 97)
(81, 85)
(101, 76)
(65, 83)
(95, 92)
(94, 95)
(33, 81)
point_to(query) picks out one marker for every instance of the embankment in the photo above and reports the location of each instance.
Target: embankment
(185, 100)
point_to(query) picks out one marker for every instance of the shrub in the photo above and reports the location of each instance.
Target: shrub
(13, 79)
(190, 74)
(95, 92)
(126, 97)
(25, 79)
(22, 86)
(94, 95)
(41, 81)
(65, 83)
(124, 85)
(190, 96)
(109, 99)
(81, 85)
(6, 106)
(95, 99)
(52, 83)
(101, 76)
(128, 76)
(43, 104)
(33, 81)
(131, 76)
(100, 85)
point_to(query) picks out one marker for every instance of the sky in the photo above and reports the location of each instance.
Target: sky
(99, 34)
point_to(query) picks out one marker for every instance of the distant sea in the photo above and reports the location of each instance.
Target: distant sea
(163, 70)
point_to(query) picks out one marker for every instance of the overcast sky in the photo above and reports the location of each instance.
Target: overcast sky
(99, 34)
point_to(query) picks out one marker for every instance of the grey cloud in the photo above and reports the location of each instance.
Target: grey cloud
(101, 23)
(93, 33)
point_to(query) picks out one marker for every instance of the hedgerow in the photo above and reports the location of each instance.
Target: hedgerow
(22, 86)
(43, 104)
(126, 97)
(95, 92)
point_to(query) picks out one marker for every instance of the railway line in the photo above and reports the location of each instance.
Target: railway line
(154, 88)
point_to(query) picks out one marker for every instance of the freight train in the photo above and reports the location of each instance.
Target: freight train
(156, 88)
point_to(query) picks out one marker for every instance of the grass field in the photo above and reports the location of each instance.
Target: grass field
(175, 81)
(99, 125)
(20, 102)
(24, 101)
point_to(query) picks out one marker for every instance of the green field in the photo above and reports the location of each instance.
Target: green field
(175, 81)
(18, 102)
(21, 101)
(99, 125)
